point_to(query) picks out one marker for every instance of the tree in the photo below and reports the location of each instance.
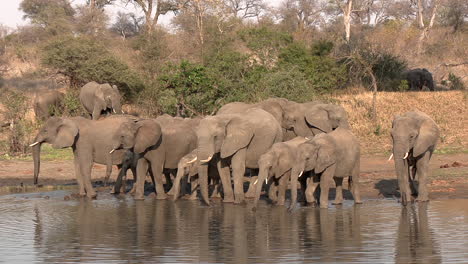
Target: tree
(127, 24)
(91, 21)
(245, 8)
(153, 9)
(301, 15)
(454, 13)
(425, 28)
(99, 4)
(56, 16)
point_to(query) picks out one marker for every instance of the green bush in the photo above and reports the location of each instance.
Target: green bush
(84, 60)
(455, 82)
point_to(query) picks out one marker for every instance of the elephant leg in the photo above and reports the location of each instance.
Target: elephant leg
(118, 182)
(339, 190)
(238, 171)
(283, 184)
(108, 169)
(273, 192)
(325, 181)
(353, 184)
(251, 191)
(225, 175)
(176, 187)
(86, 167)
(422, 166)
(142, 169)
(193, 189)
(312, 184)
(79, 178)
(216, 190)
(157, 172)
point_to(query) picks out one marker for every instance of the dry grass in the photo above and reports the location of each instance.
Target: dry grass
(448, 109)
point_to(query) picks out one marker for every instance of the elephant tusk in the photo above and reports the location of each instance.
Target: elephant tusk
(114, 111)
(255, 182)
(266, 181)
(208, 159)
(406, 155)
(112, 151)
(34, 144)
(391, 156)
(300, 174)
(307, 138)
(192, 161)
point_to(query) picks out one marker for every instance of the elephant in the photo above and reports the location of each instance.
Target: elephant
(239, 139)
(312, 118)
(46, 103)
(100, 98)
(188, 166)
(277, 162)
(333, 155)
(414, 136)
(159, 144)
(418, 78)
(89, 140)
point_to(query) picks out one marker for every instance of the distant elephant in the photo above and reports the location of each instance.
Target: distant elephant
(160, 144)
(100, 99)
(334, 155)
(277, 163)
(46, 103)
(418, 78)
(89, 140)
(188, 166)
(311, 118)
(239, 139)
(414, 136)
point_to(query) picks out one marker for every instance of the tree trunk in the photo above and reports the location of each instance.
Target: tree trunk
(348, 8)
(425, 30)
(420, 17)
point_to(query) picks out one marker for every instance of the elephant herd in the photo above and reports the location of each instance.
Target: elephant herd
(275, 143)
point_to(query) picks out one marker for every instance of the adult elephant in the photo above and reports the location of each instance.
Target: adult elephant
(237, 141)
(100, 99)
(418, 78)
(414, 136)
(89, 140)
(156, 149)
(277, 163)
(312, 118)
(330, 156)
(47, 103)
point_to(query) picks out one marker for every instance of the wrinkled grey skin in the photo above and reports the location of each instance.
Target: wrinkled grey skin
(89, 140)
(100, 99)
(313, 118)
(334, 155)
(239, 139)
(159, 144)
(188, 166)
(415, 136)
(44, 101)
(418, 78)
(276, 164)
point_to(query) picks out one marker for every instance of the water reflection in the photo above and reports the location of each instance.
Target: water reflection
(120, 230)
(415, 242)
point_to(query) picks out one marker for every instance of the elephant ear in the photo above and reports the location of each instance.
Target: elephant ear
(99, 98)
(148, 134)
(325, 156)
(66, 134)
(238, 135)
(318, 117)
(282, 166)
(427, 137)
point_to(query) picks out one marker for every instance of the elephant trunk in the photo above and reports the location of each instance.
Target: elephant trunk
(203, 181)
(400, 153)
(176, 186)
(262, 176)
(301, 128)
(296, 172)
(37, 161)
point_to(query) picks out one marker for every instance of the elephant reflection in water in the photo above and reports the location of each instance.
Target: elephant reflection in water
(415, 243)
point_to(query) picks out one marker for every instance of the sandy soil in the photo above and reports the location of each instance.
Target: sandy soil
(448, 179)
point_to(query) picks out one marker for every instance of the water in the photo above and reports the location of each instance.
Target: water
(120, 230)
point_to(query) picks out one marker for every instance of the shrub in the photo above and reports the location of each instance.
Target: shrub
(84, 60)
(455, 82)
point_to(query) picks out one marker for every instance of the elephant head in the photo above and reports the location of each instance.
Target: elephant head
(315, 155)
(141, 135)
(60, 132)
(324, 118)
(413, 134)
(108, 97)
(223, 134)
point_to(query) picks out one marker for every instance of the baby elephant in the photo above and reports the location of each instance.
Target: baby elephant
(334, 155)
(277, 162)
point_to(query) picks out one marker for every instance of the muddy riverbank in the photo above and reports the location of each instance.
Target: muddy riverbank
(448, 177)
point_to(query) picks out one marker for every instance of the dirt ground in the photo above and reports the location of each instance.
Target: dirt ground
(448, 176)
